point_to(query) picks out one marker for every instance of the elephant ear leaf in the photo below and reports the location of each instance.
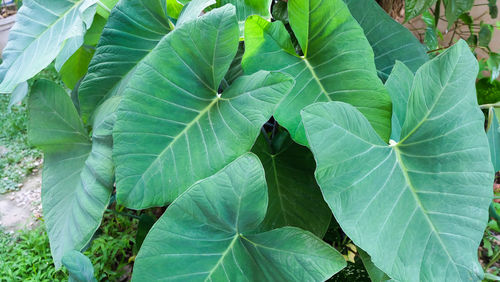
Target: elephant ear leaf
(212, 228)
(77, 175)
(294, 197)
(41, 31)
(173, 127)
(411, 189)
(337, 65)
(133, 30)
(390, 40)
(79, 267)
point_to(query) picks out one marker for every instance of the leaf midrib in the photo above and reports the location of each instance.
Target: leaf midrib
(419, 203)
(223, 256)
(179, 135)
(316, 78)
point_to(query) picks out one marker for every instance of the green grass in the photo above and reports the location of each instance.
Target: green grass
(17, 157)
(25, 255)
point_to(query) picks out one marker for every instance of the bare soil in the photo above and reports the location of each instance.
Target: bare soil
(22, 209)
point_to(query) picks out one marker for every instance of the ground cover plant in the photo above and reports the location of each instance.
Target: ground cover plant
(255, 133)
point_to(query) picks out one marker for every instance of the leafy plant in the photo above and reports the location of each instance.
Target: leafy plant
(176, 94)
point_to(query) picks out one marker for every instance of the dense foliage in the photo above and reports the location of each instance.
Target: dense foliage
(252, 130)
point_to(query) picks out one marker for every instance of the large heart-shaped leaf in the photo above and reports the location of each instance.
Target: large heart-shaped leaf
(133, 30)
(173, 127)
(337, 63)
(424, 199)
(212, 229)
(42, 29)
(77, 174)
(399, 87)
(390, 40)
(294, 196)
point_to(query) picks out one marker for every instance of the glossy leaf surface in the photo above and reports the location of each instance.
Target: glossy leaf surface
(338, 62)
(211, 227)
(409, 192)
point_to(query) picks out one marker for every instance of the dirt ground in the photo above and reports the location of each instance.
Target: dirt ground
(22, 209)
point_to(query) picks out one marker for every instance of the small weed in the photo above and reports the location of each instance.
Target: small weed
(26, 257)
(26, 254)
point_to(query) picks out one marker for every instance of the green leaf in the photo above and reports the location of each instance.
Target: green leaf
(390, 40)
(133, 30)
(174, 8)
(399, 86)
(235, 69)
(42, 29)
(485, 33)
(494, 65)
(414, 8)
(493, 8)
(246, 8)
(192, 10)
(493, 134)
(454, 8)
(18, 94)
(173, 117)
(280, 11)
(79, 267)
(146, 221)
(104, 7)
(424, 200)
(212, 229)
(77, 176)
(76, 66)
(376, 275)
(294, 196)
(338, 63)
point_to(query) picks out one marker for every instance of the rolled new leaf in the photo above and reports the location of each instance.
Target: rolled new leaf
(78, 174)
(173, 127)
(418, 207)
(337, 65)
(210, 233)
